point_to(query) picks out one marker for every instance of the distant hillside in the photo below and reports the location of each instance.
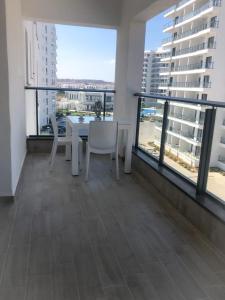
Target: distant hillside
(84, 81)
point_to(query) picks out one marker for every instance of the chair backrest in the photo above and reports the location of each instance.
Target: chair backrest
(54, 125)
(103, 135)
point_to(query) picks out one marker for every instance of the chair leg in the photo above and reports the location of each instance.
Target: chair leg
(80, 155)
(111, 159)
(50, 158)
(87, 164)
(117, 167)
(54, 149)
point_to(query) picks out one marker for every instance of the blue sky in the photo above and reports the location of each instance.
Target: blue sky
(89, 53)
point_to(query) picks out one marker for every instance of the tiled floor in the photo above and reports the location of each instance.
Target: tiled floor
(65, 239)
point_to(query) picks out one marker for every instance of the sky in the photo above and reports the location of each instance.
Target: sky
(89, 53)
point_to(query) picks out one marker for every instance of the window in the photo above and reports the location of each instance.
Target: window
(206, 81)
(173, 51)
(204, 96)
(211, 42)
(213, 22)
(172, 66)
(208, 62)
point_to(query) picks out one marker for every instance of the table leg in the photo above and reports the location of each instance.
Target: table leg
(128, 151)
(75, 151)
(68, 147)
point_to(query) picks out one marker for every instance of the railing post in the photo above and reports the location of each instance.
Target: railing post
(104, 104)
(36, 104)
(163, 136)
(138, 121)
(206, 148)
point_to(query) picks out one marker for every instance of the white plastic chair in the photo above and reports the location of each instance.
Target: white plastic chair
(102, 139)
(58, 141)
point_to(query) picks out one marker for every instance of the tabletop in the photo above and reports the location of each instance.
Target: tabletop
(74, 120)
(86, 119)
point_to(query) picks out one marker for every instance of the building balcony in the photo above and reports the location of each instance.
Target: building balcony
(196, 68)
(186, 86)
(183, 117)
(189, 51)
(190, 84)
(195, 14)
(195, 32)
(192, 67)
(178, 7)
(189, 138)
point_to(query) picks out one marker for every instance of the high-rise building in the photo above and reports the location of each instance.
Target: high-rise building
(152, 67)
(196, 69)
(40, 43)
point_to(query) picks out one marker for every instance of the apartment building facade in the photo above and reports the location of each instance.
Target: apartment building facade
(152, 68)
(84, 101)
(195, 70)
(40, 43)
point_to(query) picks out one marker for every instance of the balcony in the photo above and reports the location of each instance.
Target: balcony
(190, 84)
(188, 137)
(186, 85)
(158, 233)
(195, 48)
(192, 67)
(178, 7)
(198, 12)
(189, 51)
(194, 32)
(182, 2)
(183, 117)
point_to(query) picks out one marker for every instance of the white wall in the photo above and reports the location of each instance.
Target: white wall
(127, 16)
(5, 156)
(130, 54)
(15, 44)
(84, 12)
(12, 123)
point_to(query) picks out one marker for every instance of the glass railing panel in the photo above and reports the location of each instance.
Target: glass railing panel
(183, 141)
(150, 127)
(216, 175)
(41, 104)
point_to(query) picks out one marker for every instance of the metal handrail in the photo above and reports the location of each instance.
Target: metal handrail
(208, 103)
(211, 3)
(195, 66)
(194, 48)
(192, 31)
(55, 88)
(205, 140)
